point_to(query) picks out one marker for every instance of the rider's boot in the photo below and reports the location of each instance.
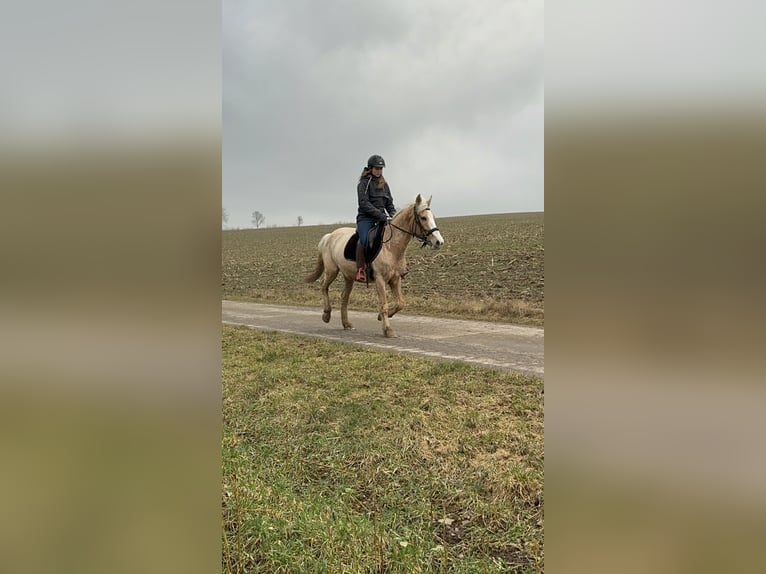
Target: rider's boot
(361, 275)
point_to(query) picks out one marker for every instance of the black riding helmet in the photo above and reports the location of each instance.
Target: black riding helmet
(376, 161)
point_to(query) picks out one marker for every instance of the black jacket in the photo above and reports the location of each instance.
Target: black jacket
(373, 201)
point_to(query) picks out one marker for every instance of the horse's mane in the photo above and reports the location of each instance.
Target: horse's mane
(406, 211)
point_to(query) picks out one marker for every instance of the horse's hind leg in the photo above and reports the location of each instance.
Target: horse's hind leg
(329, 277)
(344, 303)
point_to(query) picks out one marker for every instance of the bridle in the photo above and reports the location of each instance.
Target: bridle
(426, 232)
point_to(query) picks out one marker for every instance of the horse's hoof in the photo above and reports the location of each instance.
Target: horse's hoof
(380, 317)
(348, 326)
(326, 316)
(390, 333)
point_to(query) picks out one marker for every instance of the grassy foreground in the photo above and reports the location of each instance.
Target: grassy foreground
(491, 268)
(343, 459)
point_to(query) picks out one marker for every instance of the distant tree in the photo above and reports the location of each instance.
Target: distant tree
(300, 220)
(224, 215)
(258, 219)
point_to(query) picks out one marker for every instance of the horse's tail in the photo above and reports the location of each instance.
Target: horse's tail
(319, 269)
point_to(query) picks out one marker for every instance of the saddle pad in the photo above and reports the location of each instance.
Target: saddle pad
(374, 243)
(349, 252)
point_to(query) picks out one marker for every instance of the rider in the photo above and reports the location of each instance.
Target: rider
(375, 204)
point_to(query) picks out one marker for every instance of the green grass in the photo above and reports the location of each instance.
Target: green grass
(343, 459)
(491, 268)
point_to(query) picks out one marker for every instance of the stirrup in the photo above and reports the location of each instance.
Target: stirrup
(361, 275)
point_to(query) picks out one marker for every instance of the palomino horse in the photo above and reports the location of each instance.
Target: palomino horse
(414, 220)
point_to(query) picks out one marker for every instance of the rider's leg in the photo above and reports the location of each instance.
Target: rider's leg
(363, 227)
(361, 275)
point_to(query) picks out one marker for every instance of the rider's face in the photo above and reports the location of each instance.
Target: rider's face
(376, 171)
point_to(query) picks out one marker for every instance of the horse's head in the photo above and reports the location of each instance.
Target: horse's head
(425, 224)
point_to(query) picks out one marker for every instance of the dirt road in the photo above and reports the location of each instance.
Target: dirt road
(497, 345)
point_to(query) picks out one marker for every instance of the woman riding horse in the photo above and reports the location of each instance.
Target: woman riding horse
(414, 220)
(375, 204)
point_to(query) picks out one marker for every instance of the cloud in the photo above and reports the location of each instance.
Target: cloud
(450, 93)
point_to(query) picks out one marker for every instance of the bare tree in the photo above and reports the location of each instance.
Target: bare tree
(258, 219)
(224, 215)
(300, 220)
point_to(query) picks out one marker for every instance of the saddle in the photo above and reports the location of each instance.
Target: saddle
(374, 243)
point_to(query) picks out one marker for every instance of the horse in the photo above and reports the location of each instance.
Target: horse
(414, 220)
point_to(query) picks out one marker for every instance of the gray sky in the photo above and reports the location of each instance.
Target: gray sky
(449, 92)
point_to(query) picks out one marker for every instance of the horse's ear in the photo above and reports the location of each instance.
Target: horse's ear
(418, 200)
(429, 201)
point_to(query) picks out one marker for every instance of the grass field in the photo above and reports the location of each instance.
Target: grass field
(343, 459)
(491, 268)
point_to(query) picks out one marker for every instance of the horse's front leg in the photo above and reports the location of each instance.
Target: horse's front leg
(380, 287)
(396, 289)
